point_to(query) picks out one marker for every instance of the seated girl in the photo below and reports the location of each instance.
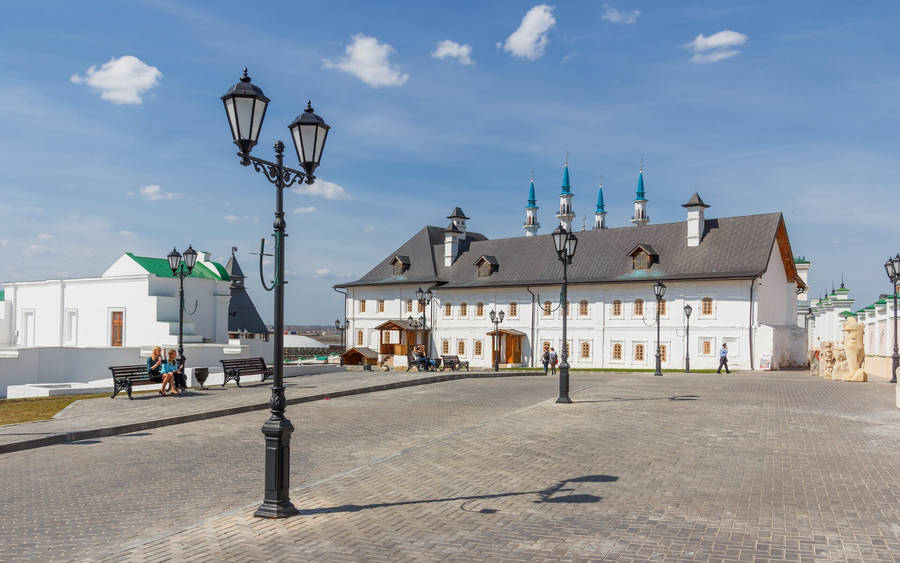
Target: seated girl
(155, 366)
(169, 372)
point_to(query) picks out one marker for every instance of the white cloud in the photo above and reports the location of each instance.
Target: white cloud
(321, 188)
(613, 15)
(155, 192)
(124, 233)
(233, 218)
(453, 50)
(37, 249)
(45, 237)
(530, 40)
(718, 46)
(323, 272)
(369, 229)
(308, 209)
(122, 80)
(367, 59)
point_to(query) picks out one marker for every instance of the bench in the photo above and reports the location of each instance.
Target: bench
(126, 376)
(234, 369)
(419, 364)
(454, 363)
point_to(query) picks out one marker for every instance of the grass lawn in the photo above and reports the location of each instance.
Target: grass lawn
(13, 411)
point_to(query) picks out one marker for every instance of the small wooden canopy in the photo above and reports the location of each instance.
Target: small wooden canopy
(394, 324)
(507, 331)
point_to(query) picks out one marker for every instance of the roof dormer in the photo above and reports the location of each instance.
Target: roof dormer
(400, 264)
(643, 256)
(486, 265)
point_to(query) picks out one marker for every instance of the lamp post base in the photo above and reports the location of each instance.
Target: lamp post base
(562, 399)
(277, 503)
(563, 383)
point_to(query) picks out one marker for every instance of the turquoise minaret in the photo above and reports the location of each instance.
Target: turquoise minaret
(600, 212)
(640, 201)
(565, 214)
(531, 225)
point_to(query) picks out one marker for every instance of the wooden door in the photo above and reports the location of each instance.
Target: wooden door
(513, 349)
(117, 328)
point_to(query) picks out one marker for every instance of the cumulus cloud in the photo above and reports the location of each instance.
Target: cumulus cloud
(530, 40)
(122, 80)
(613, 15)
(124, 233)
(323, 271)
(155, 192)
(321, 188)
(45, 237)
(452, 50)
(368, 59)
(307, 209)
(718, 46)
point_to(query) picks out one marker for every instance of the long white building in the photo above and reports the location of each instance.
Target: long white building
(737, 274)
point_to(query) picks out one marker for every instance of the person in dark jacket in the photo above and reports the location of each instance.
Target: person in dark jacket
(545, 359)
(155, 366)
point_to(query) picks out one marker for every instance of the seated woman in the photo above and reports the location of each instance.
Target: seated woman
(170, 370)
(155, 367)
(419, 356)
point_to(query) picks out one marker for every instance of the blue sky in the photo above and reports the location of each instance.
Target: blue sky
(115, 138)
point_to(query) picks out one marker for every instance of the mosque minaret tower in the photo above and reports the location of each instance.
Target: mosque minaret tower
(531, 225)
(640, 201)
(565, 214)
(600, 212)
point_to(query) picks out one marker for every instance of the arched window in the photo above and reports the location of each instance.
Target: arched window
(479, 310)
(583, 308)
(513, 309)
(617, 309)
(638, 307)
(662, 307)
(548, 308)
(445, 346)
(617, 351)
(448, 309)
(707, 347)
(706, 307)
(639, 352)
(461, 347)
(585, 350)
(463, 310)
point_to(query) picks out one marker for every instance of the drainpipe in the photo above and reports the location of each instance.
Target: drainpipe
(750, 331)
(528, 289)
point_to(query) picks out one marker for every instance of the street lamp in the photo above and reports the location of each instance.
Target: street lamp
(564, 242)
(497, 319)
(892, 267)
(181, 269)
(687, 339)
(245, 106)
(342, 328)
(416, 324)
(424, 299)
(660, 290)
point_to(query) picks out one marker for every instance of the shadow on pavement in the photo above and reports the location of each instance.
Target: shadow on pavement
(618, 399)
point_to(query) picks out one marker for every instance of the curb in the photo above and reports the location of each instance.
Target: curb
(68, 437)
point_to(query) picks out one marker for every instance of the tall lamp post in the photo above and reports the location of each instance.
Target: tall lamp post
(181, 269)
(687, 339)
(342, 328)
(424, 299)
(564, 242)
(497, 319)
(892, 267)
(660, 290)
(245, 106)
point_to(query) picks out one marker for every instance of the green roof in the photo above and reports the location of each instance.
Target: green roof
(801, 261)
(871, 306)
(160, 267)
(1, 295)
(846, 314)
(881, 302)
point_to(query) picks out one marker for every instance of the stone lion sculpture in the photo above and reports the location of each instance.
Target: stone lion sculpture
(851, 368)
(828, 359)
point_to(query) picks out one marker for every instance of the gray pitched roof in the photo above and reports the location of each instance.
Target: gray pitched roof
(242, 314)
(732, 247)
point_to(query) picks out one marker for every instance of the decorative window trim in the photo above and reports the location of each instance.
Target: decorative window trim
(712, 346)
(712, 307)
(70, 329)
(612, 352)
(639, 347)
(109, 317)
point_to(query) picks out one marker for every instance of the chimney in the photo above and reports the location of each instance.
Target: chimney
(696, 221)
(451, 243)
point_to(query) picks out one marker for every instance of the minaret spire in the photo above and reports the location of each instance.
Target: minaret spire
(565, 214)
(640, 201)
(600, 211)
(531, 225)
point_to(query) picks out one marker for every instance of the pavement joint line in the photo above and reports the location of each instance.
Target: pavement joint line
(78, 435)
(121, 549)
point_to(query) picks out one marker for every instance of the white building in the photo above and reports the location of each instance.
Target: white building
(737, 273)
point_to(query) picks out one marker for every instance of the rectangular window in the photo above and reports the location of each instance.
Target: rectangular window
(381, 305)
(585, 350)
(639, 352)
(478, 348)
(463, 310)
(706, 307)
(617, 351)
(359, 337)
(409, 305)
(448, 310)
(513, 309)
(71, 327)
(638, 307)
(583, 308)
(548, 308)
(421, 306)
(117, 328)
(662, 307)
(706, 347)
(479, 310)
(617, 308)
(362, 305)
(461, 347)
(662, 352)
(445, 346)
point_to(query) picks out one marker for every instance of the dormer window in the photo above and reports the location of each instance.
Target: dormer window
(642, 257)
(400, 264)
(486, 265)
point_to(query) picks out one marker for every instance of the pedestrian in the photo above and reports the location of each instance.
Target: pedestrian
(545, 359)
(554, 359)
(723, 359)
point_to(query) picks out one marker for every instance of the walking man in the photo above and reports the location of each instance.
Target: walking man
(545, 359)
(723, 358)
(553, 360)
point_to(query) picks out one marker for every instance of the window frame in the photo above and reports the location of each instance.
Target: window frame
(479, 310)
(513, 309)
(616, 309)
(464, 310)
(642, 347)
(582, 354)
(362, 305)
(461, 347)
(478, 348)
(445, 346)
(111, 311)
(379, 307)
(584, 309)
(617, 345)
(448, 310)
(712, 307)
(634, 308)
(547, 308)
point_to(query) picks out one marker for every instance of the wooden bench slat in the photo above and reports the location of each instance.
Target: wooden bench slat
(235, 368)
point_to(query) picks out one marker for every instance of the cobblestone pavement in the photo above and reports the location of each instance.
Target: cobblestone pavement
(753, 467)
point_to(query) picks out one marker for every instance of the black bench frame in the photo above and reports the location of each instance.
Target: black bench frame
(125, 376)
(237, 367)
(454, 363)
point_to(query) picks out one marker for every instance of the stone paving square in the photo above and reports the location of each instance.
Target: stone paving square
(748, 467)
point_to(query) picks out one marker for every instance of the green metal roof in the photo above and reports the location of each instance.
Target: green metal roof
(1, 295)
(846, 314)
(801, 261)
(160, 267)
